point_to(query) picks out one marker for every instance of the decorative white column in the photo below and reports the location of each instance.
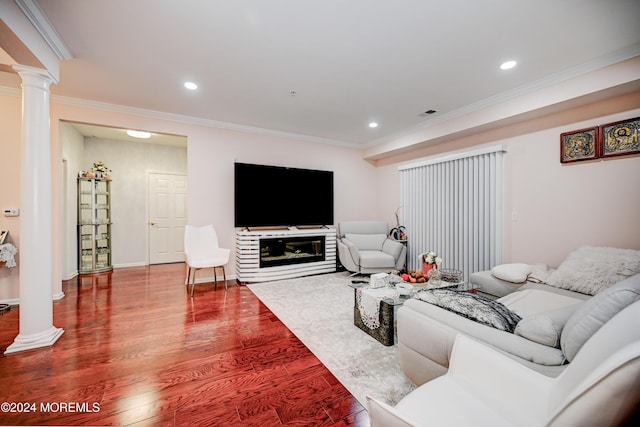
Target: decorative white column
(36, 236)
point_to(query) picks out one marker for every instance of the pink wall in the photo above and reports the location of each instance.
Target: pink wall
(562, 206)
(10, 136)
(211, 154)
(551, 208)
(559, 207)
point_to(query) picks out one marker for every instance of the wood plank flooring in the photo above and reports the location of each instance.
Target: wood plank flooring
(138, 351)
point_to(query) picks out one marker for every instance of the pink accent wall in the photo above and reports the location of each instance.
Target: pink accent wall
(551, 208)
(10, 137)
(559, 207)
(211, 153)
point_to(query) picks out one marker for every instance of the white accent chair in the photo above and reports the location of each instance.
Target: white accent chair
(364, 247)
(202, 250)
(484, 387)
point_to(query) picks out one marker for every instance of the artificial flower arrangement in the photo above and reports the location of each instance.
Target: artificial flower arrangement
(430, 258)
(430, 265)
(99, 170)
(100, 167)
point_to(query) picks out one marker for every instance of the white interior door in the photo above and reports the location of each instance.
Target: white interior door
(167, 217)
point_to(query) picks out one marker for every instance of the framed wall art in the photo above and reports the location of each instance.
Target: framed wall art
(579, 145)
(3, 236)
(620, 138)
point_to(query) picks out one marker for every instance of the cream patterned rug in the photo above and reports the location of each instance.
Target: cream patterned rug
(319, 311)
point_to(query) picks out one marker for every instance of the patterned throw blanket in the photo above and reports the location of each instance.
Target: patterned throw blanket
(474, 307)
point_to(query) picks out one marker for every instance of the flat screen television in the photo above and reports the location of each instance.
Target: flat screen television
(268, 196)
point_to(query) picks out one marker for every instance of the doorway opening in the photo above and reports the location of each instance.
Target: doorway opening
(131, 162)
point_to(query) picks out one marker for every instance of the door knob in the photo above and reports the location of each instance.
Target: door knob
(152, 223)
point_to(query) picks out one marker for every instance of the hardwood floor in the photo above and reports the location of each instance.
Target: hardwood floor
(138, 351)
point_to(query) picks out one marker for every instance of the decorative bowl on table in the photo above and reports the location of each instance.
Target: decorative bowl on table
(450, 276)
(415, 277)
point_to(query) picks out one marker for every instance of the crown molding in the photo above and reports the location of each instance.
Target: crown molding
(183, 119)
(41, 23)
(10, 91)
(571, 73)
(197, 121)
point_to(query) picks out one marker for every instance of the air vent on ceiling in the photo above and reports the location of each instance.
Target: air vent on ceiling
(427, 113)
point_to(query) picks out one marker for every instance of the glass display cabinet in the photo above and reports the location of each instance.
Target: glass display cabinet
(94, 225)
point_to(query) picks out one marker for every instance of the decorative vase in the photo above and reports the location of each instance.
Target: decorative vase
(426, 268)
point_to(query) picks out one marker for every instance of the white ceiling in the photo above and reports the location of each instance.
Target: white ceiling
(348, 61)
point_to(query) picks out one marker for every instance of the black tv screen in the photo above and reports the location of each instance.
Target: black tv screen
(268, 196)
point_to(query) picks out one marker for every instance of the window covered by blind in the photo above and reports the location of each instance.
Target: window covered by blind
(453, 206)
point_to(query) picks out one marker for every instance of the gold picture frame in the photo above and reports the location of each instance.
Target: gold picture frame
(577, 145)
(620, 138)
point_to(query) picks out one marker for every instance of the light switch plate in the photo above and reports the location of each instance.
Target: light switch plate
(12, 212)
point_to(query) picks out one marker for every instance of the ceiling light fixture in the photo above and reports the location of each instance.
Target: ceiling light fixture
(139, 134)
(508, 65)
(190, 85)
(373, 125)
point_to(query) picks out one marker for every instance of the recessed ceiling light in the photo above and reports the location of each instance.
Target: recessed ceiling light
(373, 125)
(508, 65)
(190, 85)
(139, 134)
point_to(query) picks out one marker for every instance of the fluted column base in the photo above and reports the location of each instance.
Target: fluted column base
(29, 342)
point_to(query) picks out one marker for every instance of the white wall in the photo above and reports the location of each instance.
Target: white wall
(129, 163)
(73, 155)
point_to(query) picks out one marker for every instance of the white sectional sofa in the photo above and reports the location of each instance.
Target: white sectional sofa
(483, 387)
(553, 319)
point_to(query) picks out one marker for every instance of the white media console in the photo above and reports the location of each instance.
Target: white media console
(264, 255)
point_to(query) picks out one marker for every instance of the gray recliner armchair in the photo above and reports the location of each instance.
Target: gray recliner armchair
(364, 247)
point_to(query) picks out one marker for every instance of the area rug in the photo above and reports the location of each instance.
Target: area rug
(319, 311)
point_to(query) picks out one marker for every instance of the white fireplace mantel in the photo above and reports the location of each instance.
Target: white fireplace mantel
(248, 255)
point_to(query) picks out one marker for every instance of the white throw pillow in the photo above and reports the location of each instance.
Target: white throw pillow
(539, 273)
(546, 328)
(515, 273)
(590, 270)
(597, 311)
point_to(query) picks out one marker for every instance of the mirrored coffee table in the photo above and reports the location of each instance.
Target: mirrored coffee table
(385, 332)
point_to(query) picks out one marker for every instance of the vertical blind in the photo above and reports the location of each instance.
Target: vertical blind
(453, 206)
